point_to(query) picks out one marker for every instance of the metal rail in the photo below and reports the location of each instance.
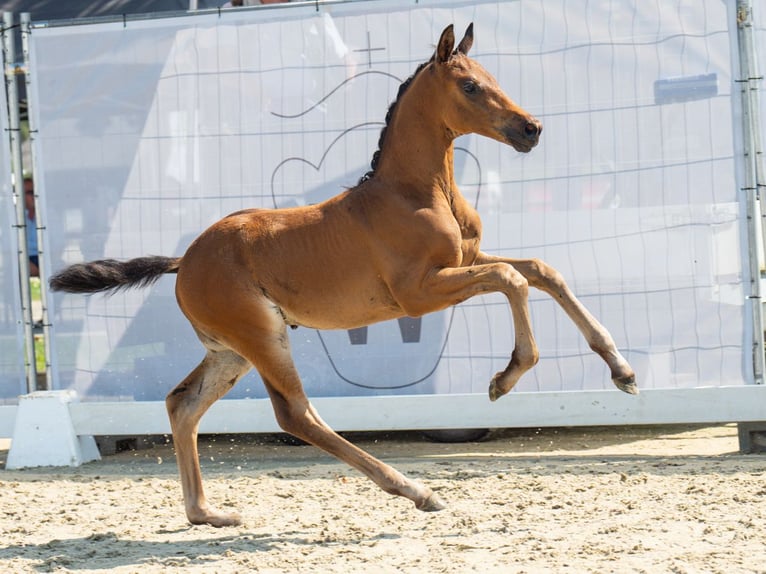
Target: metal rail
(11, 84)
(753, 177)
(26, 27)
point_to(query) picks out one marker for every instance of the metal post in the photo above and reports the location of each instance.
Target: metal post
(26, 29)
(751, 82)
(754, 183)
(11, 70)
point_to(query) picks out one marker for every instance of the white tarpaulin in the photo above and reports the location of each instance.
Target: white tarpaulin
(149, 131)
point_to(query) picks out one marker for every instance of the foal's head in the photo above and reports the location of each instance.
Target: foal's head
(459, 93)
(471, 100)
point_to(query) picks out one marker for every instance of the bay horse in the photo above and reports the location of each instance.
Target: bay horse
(403, 242)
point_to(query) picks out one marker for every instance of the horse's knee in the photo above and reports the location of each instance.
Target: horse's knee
(537, 269)
(520, 285)
(516, 282)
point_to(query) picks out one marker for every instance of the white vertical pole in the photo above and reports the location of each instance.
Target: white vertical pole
(11, 70)
(753, 174)
(26, 29)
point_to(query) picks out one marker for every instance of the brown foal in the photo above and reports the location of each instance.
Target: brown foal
(402, 242)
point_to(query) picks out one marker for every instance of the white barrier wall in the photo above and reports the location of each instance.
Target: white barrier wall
(149, 131)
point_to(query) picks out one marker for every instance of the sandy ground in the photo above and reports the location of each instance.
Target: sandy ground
(669, 499)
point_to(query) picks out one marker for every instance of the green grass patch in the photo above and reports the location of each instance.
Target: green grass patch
(39, 354)
(34, 286)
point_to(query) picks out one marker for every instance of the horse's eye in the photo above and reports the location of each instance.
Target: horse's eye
(470, 87)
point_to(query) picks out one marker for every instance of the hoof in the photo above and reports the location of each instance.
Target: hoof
(495, 391)
(218, 520)
(432, 504)
(627, 384)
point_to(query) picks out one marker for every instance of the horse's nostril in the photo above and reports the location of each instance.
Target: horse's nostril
(532, 129)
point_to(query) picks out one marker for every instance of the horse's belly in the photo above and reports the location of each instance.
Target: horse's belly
(339, 309)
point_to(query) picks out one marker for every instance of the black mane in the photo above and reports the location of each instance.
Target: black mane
(402, 88)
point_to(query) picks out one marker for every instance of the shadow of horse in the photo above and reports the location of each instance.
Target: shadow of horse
(107, 550)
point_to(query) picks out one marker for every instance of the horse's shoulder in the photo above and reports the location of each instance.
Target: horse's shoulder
(466, 215)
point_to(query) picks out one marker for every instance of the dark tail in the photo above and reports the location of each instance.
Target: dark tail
(113, 275)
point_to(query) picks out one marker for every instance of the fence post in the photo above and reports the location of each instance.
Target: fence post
(754, 185)
(26, 30)
(753, 171)
(11, 71)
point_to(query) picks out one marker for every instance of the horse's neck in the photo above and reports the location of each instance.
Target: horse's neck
(418, 151)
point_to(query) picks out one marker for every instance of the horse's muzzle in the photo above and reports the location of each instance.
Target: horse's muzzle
(533, 129)
(523, 135)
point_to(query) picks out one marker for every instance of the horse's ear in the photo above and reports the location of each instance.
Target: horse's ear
(466, 42)
(446, 43)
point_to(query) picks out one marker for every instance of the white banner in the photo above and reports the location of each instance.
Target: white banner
(149, 131)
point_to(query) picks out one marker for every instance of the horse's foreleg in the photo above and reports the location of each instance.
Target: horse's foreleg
(186, 404)
(441, 288)
(544, 277)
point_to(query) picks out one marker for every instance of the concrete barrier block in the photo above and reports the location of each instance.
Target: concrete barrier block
(44, 435)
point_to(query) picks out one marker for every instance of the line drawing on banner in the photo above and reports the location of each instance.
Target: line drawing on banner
(329, 94)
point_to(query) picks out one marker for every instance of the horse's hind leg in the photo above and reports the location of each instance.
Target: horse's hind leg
(298, 417)
(267, 346)
(213, 377)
